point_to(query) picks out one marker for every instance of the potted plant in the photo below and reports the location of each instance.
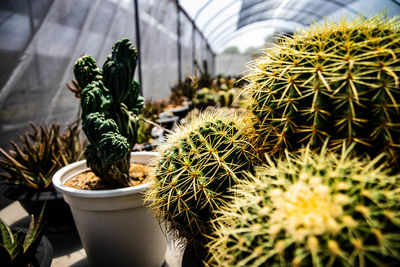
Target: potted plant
(27, 170)
(25, 247)
(199, 162)
(107, 203)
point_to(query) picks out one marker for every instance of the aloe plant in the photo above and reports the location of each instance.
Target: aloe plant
(17, 249)
(41, 152)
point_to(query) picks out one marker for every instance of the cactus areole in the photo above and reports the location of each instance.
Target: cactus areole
(337, 81)
(110, 104)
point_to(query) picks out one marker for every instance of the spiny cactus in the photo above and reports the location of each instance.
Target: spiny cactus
(199, 162)
(204, 98)
(110, 101)
(312, 210)
(334, 80)
(225, 98)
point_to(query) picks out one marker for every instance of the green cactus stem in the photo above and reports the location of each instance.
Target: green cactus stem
(110, 104)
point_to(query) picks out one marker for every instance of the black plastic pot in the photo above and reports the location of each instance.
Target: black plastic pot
(44, 253)
(190, 259)
(181, 112)
(168, 122)
(57, 214)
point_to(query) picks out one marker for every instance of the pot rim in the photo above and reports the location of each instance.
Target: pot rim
(75, 168)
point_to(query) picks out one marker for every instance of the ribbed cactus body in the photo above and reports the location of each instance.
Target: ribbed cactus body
(336, 81)
(312, 210)
(85, 70)
(135, 102)
(110, 101)
(95, 98)
(199, 163)
(119, 69)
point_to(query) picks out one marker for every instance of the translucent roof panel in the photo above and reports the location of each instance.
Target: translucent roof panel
(248, 22)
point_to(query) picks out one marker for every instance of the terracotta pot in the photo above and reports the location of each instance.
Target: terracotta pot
(115, 227)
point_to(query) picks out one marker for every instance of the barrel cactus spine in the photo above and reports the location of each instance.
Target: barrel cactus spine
(337, 81)
(199, 162)
(312, 210)
(110, 103)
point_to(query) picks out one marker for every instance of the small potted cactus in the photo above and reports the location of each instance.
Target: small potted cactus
(199, 162)
(325, 209)
(106, 200)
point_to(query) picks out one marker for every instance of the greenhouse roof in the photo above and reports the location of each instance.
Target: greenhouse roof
(245, 21)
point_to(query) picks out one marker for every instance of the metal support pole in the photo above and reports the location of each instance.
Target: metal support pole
(178, 31)
(137, 24)
(194, 48)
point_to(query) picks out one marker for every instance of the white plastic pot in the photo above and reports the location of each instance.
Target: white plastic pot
(115, 227)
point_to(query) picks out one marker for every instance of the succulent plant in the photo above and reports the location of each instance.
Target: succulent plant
(337, 81)
(312, 209)
(226, 98)
(199, 162)
(41, 152)
(110, 104)
(205, 98)
(17, 249)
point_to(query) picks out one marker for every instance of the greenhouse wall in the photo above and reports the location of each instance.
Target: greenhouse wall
(41, 39)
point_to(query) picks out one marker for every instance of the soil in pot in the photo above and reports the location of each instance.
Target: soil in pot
(139, 174)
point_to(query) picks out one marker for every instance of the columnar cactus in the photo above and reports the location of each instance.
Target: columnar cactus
(312, 210)
(337, 81)
(110, 101)
(200, 162)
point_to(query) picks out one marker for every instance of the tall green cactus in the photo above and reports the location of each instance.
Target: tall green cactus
(199, 163)
(312, 210)
(337, 81)
(110, 101)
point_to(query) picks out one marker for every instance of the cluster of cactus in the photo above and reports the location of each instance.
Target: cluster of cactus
(199, 162)
(323, 89)
(337, 81)
(110, 103)
(225, 98)
(17, 249)
(312, 210)
(206, 97)
(42, 151)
